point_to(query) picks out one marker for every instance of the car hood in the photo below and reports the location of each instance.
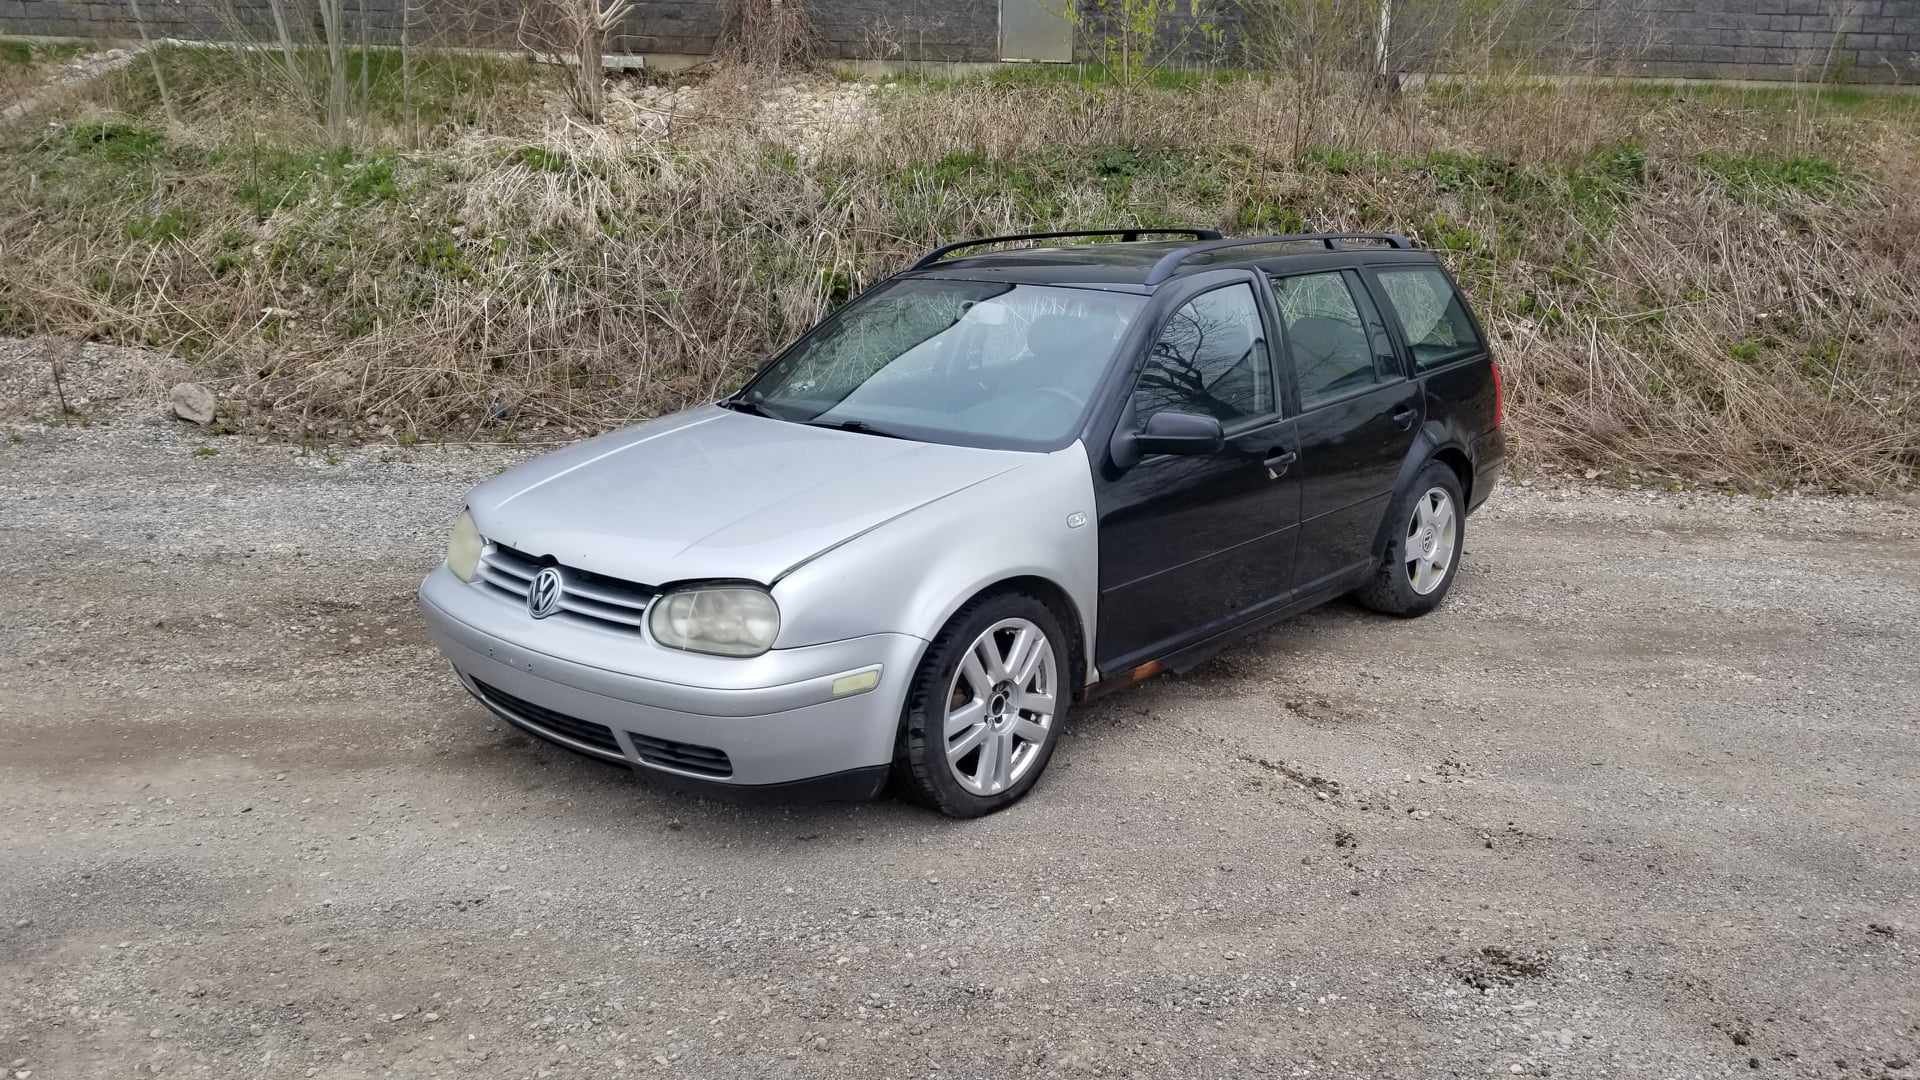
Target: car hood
(711, 493)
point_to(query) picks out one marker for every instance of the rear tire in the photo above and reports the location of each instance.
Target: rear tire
(985, 709)
(1426, 536)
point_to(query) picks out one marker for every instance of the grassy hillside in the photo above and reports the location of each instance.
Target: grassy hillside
(1693, 284)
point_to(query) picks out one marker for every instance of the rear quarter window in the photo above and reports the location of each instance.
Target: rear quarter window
(1431, 314)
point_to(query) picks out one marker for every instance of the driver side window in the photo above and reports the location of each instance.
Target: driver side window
(1210, 359)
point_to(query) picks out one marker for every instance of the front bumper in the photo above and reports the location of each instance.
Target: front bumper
(765, 722)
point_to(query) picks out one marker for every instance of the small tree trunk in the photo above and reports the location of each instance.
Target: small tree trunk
(406, 74)
(366, 58)
(1383, 49)
(159, 76)
(280, 31)
(332, 15)
(591, 37)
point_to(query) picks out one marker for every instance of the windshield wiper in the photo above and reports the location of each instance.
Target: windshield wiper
(742, 405)
(860, 427)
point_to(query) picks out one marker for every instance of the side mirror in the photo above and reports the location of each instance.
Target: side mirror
(1169, 433)
(1180, 433)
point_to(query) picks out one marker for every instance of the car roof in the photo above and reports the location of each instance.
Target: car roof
(1140, 265)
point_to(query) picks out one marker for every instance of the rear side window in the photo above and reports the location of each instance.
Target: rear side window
(1210, 359)
(1436, 323)
(1327, 337)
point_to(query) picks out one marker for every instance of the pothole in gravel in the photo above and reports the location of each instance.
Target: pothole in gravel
(1499, 965)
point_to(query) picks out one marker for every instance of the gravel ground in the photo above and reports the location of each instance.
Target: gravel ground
(1640, 801)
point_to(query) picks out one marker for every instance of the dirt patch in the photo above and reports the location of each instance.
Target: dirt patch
(1310, 781)
(1499, 965)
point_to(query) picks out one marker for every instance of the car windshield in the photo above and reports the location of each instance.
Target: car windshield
(977, 363)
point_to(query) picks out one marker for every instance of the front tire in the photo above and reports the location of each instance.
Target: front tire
(986, 707)
(1426, 536)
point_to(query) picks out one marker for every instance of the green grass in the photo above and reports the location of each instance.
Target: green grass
(1761, 178)
(112, 141)
(1784, 98)
(447, 88)
(16, 52)
(269, 177)
(541, 159)
(1518, 198)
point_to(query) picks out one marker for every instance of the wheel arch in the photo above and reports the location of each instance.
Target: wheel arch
(1428, 448)
(1057, 599)
(1457, 460)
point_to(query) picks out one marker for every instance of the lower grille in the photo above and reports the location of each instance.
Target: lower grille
(686, 757)
(599, 736)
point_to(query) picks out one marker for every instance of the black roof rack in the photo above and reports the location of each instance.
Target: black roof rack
(1331, 241)
(1125, 235)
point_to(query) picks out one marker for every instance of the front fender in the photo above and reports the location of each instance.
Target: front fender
(910, 575)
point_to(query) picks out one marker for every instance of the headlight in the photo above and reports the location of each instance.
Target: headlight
(729, 620)
(463, 548)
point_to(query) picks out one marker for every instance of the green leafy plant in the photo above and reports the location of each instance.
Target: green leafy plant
(1134, 40)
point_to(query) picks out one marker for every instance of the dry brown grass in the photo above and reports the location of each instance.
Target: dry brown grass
(1712, 286)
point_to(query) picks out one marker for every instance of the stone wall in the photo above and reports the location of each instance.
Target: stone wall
(1871, 41)
(1874, 41)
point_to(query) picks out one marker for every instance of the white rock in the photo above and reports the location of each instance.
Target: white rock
(193, 402)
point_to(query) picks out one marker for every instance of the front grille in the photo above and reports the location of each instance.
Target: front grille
(683, 756)
(583, 593)
(580, 731)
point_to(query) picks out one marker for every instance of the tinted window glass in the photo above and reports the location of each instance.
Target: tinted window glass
(1332, 354)
(1436, 323)
(1211, 359)
(953, 361)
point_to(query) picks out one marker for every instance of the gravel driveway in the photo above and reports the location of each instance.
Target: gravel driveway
(1640, 801)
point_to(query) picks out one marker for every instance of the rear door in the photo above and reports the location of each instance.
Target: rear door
(1358, 415)
(1189, 544)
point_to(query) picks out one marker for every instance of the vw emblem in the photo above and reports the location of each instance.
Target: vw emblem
(543, 596)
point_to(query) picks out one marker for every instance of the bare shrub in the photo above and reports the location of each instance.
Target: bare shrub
(768, 35)
(573, 34)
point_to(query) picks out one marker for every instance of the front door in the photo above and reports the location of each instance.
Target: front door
(1358, 416)
(1189, 544)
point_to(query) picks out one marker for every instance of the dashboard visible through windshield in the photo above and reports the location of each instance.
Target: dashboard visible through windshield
(944, 360)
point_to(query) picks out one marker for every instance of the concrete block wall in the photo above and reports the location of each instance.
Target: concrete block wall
(959, 30)
(1856, 41)
(1861, 41)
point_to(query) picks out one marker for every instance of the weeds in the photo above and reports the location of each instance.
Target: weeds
(15, 53)
(1682, 286)
(1762, 177)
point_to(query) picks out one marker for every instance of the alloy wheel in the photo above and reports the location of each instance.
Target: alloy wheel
(1432, 534)
(1000, 706)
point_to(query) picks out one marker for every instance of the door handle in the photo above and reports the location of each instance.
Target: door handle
(1278, 463)
(1404, 418)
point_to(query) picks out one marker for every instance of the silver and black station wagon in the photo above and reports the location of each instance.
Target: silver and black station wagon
(994, 484)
